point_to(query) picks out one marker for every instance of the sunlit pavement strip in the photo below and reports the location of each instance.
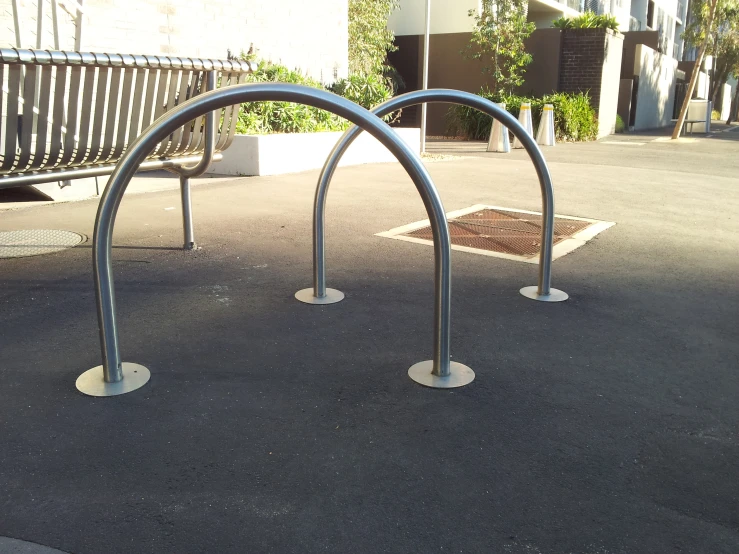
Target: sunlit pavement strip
(15, 546)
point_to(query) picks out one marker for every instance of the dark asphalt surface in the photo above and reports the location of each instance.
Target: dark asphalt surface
(607, 424)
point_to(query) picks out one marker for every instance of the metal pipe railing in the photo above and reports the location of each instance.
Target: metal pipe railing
(198, 169)
(117, 377)
(40, 177)
(543, 291)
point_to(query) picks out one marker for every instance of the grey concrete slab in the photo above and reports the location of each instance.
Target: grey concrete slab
(605, 424)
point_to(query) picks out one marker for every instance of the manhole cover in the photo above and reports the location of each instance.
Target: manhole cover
(504, 232)
(34, 242)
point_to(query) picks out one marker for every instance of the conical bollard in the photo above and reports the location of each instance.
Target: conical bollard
(545, 133)
(499, 141)
(524, 118)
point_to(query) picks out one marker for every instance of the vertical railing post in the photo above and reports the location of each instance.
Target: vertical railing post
(201, 167)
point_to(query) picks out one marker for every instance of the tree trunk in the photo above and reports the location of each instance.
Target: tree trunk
(720, 75)
(694, 76)
(734, 107)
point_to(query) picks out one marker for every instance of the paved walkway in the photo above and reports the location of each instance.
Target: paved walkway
(605, 424)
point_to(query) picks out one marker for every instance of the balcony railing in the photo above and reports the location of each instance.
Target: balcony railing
(634, 24)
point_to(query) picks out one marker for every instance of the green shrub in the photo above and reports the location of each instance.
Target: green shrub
(574, 117)
(587, 20)
(620, 127)
(365, 90)
(715, 115)
(257, 118)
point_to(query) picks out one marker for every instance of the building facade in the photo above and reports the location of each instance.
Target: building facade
(637, 71)
(310, 36)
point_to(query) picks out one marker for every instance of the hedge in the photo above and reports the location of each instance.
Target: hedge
(574, 117)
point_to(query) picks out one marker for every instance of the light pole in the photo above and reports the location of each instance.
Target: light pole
(425, 73)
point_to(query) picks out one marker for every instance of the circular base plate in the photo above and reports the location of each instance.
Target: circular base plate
(332, 296)
(91, 382)
(555, 295)
(460, 375)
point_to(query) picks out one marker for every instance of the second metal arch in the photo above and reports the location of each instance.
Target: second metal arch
(542, 292)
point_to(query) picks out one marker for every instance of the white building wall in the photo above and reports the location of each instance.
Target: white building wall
(447, 16)
(656, 94)
(311, 36)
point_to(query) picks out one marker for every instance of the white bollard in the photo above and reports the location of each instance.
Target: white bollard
(499, 141)
(545, 133)
(524, 118)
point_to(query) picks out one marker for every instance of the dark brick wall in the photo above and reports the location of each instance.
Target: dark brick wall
(581, 62)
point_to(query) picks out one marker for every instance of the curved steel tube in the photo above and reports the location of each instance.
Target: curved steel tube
(198, 169)
(214, 100)
(423, 97)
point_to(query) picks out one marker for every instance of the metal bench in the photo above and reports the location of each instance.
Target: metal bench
(69, 115)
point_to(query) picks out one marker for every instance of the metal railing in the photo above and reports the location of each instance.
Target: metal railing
(319, 294)
(117, 377)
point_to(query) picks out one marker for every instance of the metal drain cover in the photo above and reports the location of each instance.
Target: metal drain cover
(35, 242)
(504, 232)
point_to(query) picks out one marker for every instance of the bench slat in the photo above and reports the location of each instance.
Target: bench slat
(42, 119)
(125, 121)
(26, 119)
(55, 145)
(230, 116)
(75, 80)
(148, 100)
(83, 130)
(176, 138)
(166, 78)
(195, 138)
(113, 110)
(96, 134)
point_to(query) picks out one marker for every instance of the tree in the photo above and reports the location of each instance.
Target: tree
(498, 40)
(369, 38)
(723, 42)
(704, 28)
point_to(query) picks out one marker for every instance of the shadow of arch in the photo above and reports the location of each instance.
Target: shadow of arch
(543, 290)
(115, 377)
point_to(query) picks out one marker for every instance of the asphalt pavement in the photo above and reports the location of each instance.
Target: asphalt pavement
(606, 424)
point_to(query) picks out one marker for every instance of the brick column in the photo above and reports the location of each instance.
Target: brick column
(591, 62)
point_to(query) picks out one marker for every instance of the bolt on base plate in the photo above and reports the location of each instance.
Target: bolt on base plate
(91, 382)
(555, 295)
(332, 296)
(460, 375)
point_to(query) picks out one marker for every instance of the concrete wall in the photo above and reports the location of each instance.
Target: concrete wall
(311, 36)
(610, 80)
(448, 68)
(725, 106)
(656, 92)
(446, 17)
(265, 154)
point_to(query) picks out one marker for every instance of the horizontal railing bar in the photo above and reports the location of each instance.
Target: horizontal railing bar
(56, 57)
(40, 177)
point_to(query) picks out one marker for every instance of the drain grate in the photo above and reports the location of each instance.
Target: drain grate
(504, 232)
(35, 242)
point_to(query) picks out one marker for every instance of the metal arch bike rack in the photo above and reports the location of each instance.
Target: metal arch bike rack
(319, 294)
(115, 377)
